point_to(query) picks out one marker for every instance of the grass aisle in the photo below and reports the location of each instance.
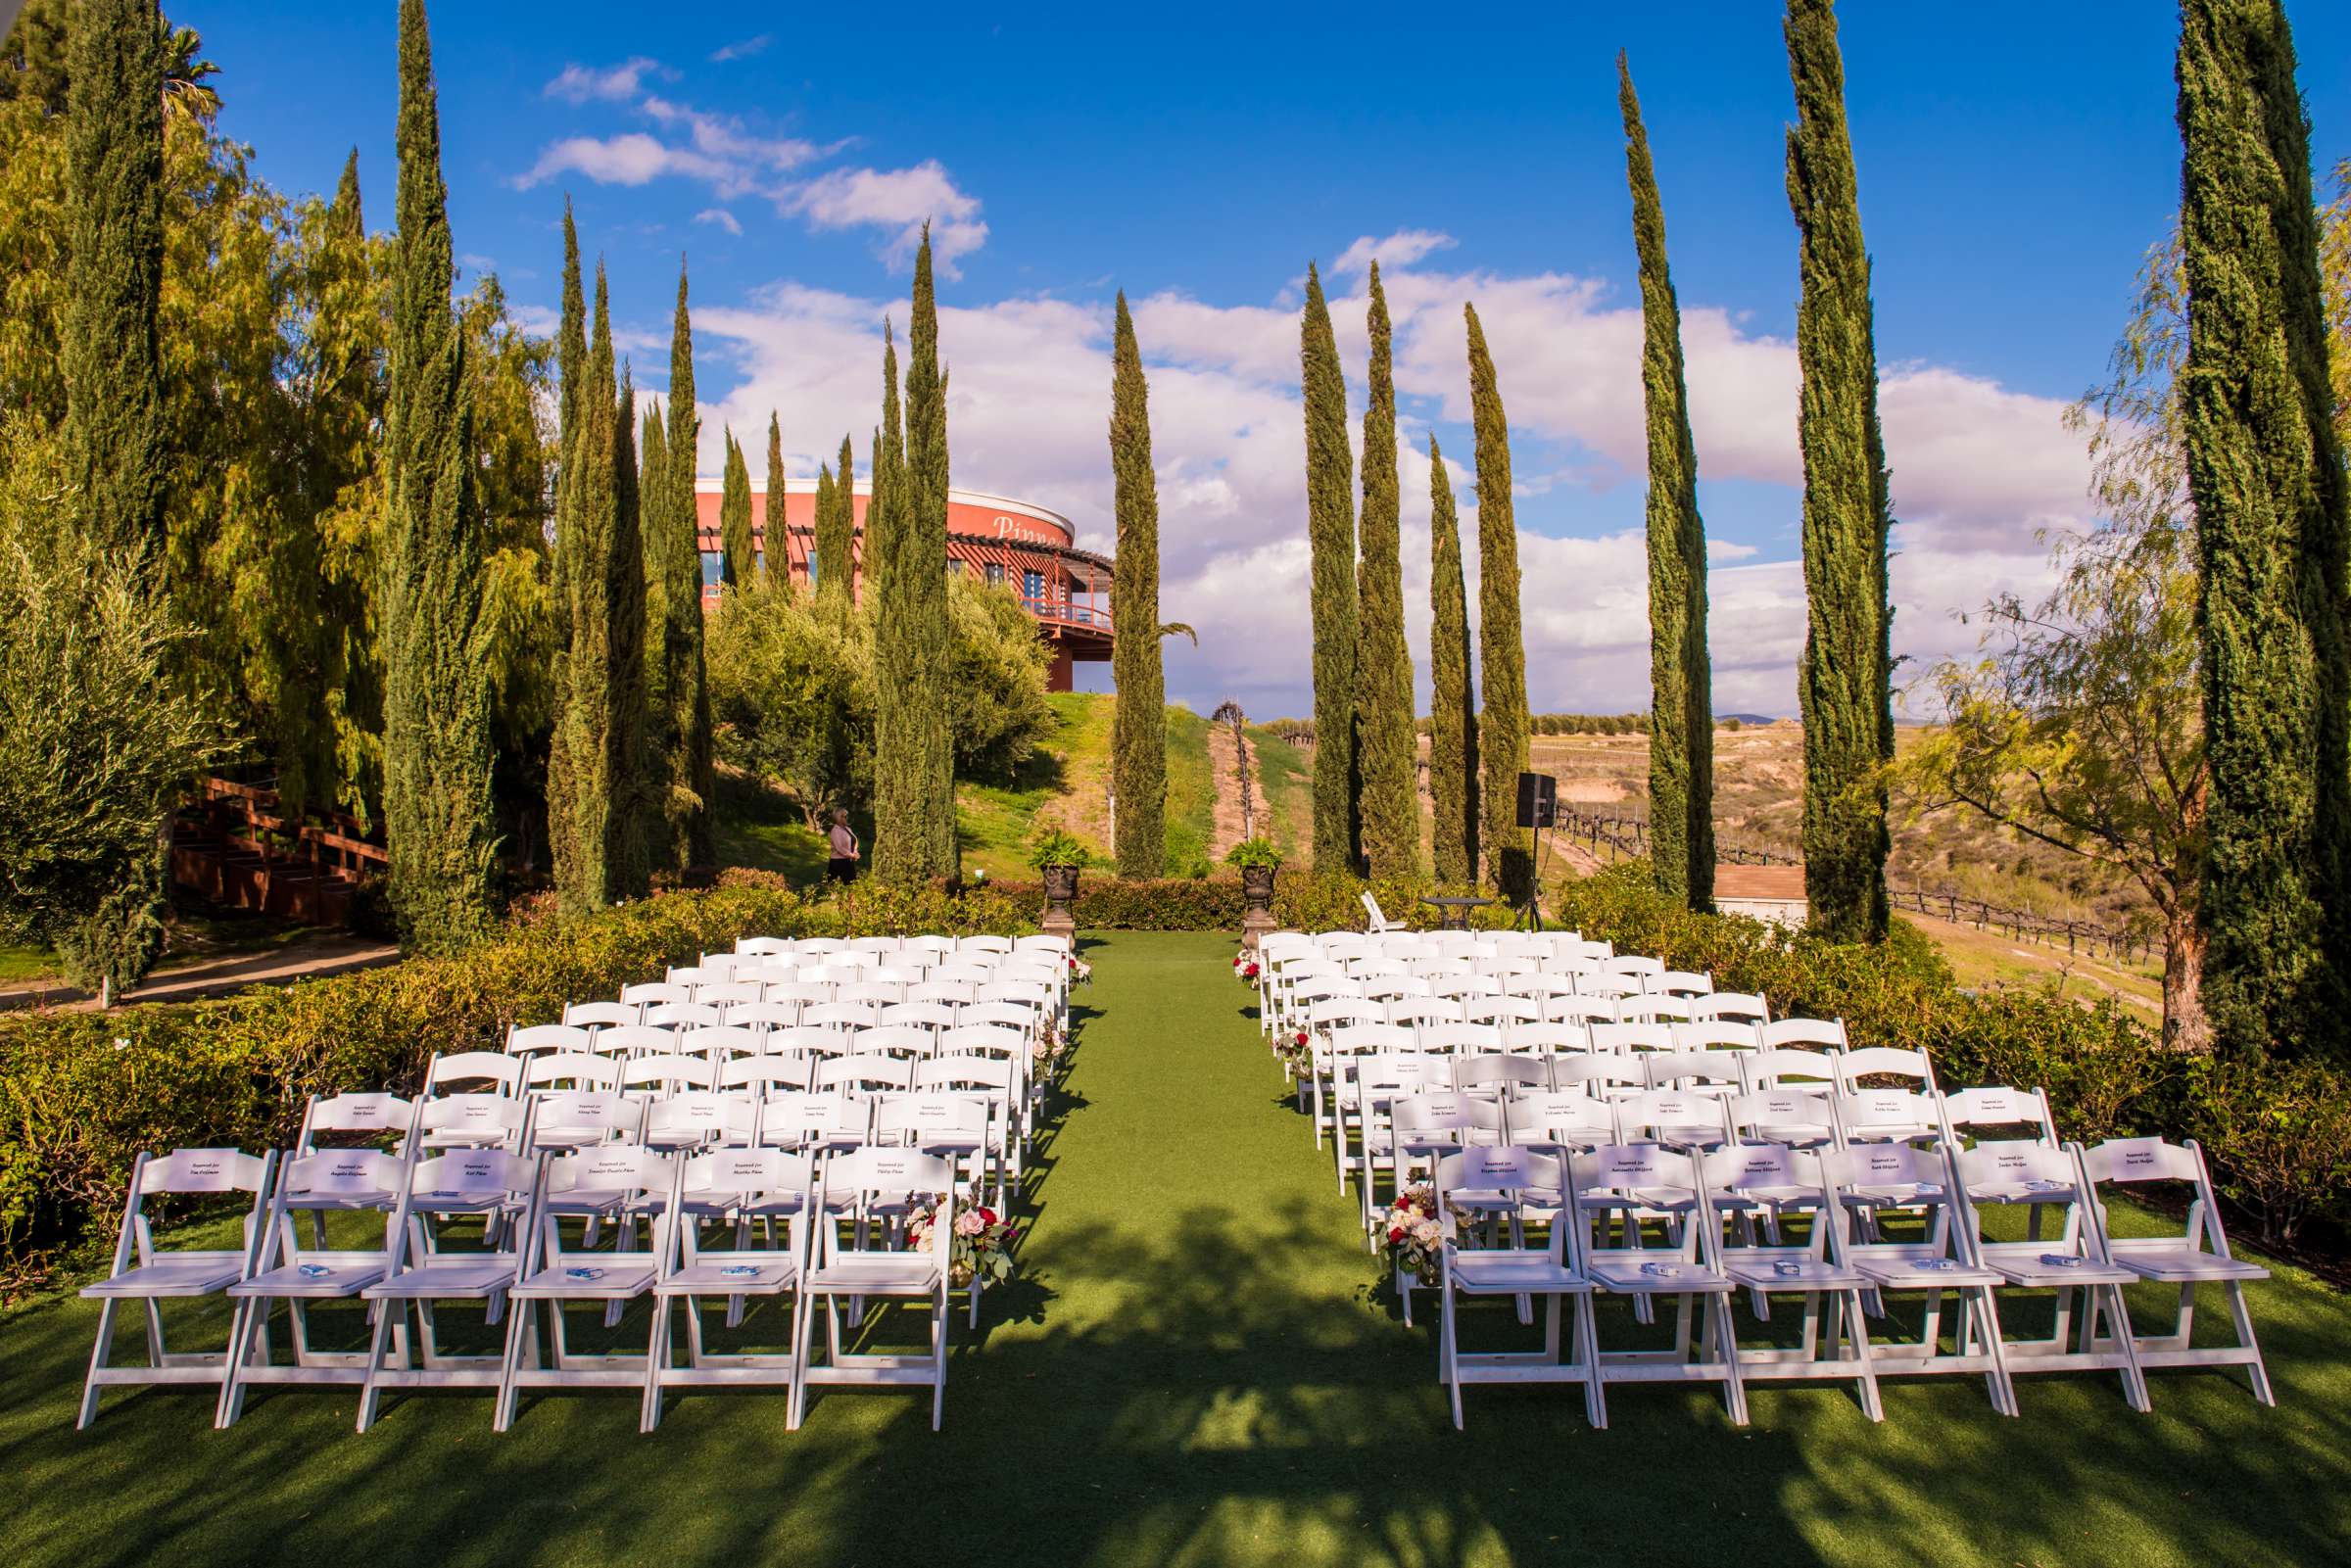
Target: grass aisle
(1192, 1369)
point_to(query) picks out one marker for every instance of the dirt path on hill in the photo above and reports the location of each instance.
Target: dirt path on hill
(1223, 778)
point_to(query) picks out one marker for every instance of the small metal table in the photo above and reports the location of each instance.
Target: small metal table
(1454, 913)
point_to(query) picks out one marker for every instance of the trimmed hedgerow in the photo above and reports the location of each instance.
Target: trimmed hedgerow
(82, 1093)
(1215, 904)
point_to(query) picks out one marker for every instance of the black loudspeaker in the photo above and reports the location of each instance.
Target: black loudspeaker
(1538, 800)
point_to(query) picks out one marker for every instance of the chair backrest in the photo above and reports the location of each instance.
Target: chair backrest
(547, 1037)
(762, 946)
(760, 1074)
(1883, 1164)
(827, 1120)
(1344, 1012)
(667, 1073)
(202, 1170)
(600, 1015)
(1423, 1011)
(1762, 1169)
(566, 1119)
(968, 1075)
(684, 1015)
(1876, 1115)
(1781, 1114)
(798, 993)
(1632, 964)
(1505, 1168)
(700, 1116)
(943, 993)
(2015, 1161)
(863, 1074)
(1462, 986)
(470, 1175)
(335, 1176)
(691, 974)
(1461, 1039)
(1047, 943)
(984, 1039)
(928, 947)
(818, 946)
(1562, 1117)
(765, 1014)
(1360, 1039)
(1434, 1120)
(1886, 1061)
(1544, 1038)
(1827, 1034)
(1997, 1106)
(1674, 1115)
(472, 1119)
(1712, 1072)
(1494, 1070)
(847, 1179)
(1655, 1006)
(1019, 1016)
(571, 1069)
(983, 943)
(1632, 1036)
(719, 1042)
(1371, 912)
(1633, 1168)
(1789, 1068)
(502, 1073)
(1678, 982)
(1386, 1073)
(367, 1114)
(1598, 1073)
(748, 1176)
(1716, 1035)
(1500, 1009)
(876, 944)
(841, 1015)
(634, 1040)
(934, 1016)
(934, 1119)
(1730, 1007)
(730, 991)
(655, 991)
(876, 994)
(895, 1039)
(811, 1039)
(1582, 1009)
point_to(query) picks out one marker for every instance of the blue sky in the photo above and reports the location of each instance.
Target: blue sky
(2015, 163)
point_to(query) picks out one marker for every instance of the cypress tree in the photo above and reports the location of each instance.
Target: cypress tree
(902, 846)
(571, 356)
(1388, 739)
(562, 767)
(836, 531)
(595, 727)
(1453, 711)
(628, 756)
(652, 508)
(825, 588)
(692, 766)
(1330, 537)
(774, 545)
(736, 552)
(1844, 684)
(437, 748)
(925, 538)
(107, 345)
(1502, 739)
(1139, 726)
(1681, 683)
(2266, 475)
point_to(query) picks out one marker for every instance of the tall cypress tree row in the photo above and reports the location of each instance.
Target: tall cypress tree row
(926, 541)
(1139, 726)
(107, 344)
(2267, 478)
(437, 750)
(571, 360)
(775, 553)
(1502, 739)
(1844, 684)
(736, 552)
(1681, 682)
(597, 723)
(1383, 676)
(691, 764)
(902, 846)
(1330, 537)
(1453, 710)
(571, 370)
(653, 511)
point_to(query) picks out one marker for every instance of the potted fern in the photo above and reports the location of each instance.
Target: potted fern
(1257, 860)
(1058, 855)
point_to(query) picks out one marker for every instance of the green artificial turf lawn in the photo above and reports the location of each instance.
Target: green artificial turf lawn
(1194, 1367)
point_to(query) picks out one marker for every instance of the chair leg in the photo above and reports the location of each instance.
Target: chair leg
(100, 1354)
(939, 1357)
(386, 1311)
(2257, 1372)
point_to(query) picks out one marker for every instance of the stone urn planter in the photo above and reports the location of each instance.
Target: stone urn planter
(1257, 900)
(1257, 860)
(1061, 895)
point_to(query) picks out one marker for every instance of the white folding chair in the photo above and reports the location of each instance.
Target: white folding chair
(1518, 1271)
(484, 1183)
(1787, 1181)
(2196, 1255)
(868, 1266)
(1632, 1177)
(726, 1185)
(161, 1274)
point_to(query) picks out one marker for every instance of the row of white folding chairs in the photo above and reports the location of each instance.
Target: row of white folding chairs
(1704, 1207)
(519, 1201)
(743, 1025)
(816, 986)
(1326, 1005)
(1623, 971)
(1566, 946)
(823, 946)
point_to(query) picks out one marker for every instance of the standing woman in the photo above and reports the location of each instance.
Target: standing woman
(842, 866)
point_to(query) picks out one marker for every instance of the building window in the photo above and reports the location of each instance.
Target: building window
(712, 567)
(996, 574)
(1032, 586)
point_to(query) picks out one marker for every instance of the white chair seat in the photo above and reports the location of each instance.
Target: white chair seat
(1624, 1277)
(2186, 1266)
(343, 1277)
(709, 1277)
(2027, 1264)
(447, 1277)
(613, 1279)
(1915, 1268)
(878, 1273)
(1759, 1269)
(1507, 1272)
(2022, 1193)
(184, 1274)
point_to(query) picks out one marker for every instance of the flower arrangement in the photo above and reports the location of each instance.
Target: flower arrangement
(1294, 1051)
(980, 1248)
(1045, 1056)
(1244, 967)
(1080, 971)
(1415, 1242)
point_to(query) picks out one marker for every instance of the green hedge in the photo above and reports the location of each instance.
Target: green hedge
(2278, 1135)
(82, 1093)
(1301, 902)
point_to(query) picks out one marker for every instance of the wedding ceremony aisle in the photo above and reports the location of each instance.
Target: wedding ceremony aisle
(1196, 1363)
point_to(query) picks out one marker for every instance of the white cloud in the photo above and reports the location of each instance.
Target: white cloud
(742, 50)
(617, 84)
(898, 201)
(1398, 250)
(720, 216)
(630, 159)
(1976, 466)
